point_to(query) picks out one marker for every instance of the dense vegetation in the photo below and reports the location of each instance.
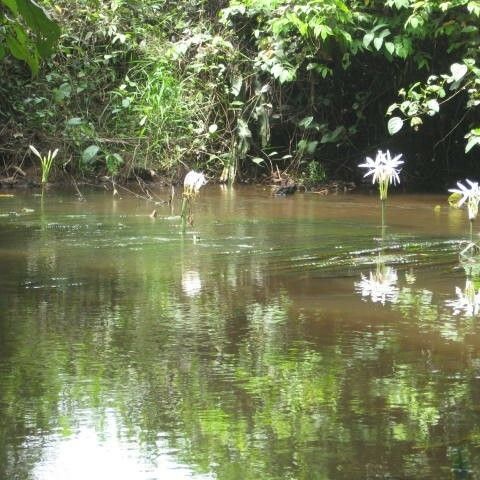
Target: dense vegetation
(245, 89)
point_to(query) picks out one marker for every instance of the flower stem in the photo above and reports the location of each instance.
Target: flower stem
(382, 202)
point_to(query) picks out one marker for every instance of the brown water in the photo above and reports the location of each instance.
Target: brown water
(247, 347)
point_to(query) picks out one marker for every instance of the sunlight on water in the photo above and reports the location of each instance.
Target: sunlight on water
(90, 455)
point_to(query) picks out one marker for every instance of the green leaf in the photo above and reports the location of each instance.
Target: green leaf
(312, 146)
(394, 125)
(46, 30)
(89, 154)
(332, 137)
(305, 122)
(433, 105)
(12, 5)
(302, 145)
(286, 75)
(378, 42)
(458, 71)
(74, 121)
(390, 47)
(62, 92)
(367, 39)
(113, 162)
(472, 141)
(17, 49)
(258, 160)
(414, 22)
(277, 69)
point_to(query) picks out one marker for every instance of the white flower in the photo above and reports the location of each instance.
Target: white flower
(390, 167)
(467, 301)
(40, 156)
(380, 285)
(384, 170)
(470, 195)
(193, 182)
(375, 166)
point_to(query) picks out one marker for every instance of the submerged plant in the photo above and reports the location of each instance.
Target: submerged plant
(46, 162)
(191, 185)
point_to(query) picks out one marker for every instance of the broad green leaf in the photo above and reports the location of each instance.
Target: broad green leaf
(312, 146)
(302, 145)
(342, 6)
(390, 47)
(474, 7)
(394, 125)
(258, 160)
(62, 92)
(17, 49)
(458, 71)
(277, 69)
(392, 108)
(47, 31)
(433, 105)
(305, 122)
(367, 39)
(74, 121)
(384, 33)
(113, 162)
(332, 137)
(11, 4)
(89, 154)
(286, 76)
(472, 141)
(378, 42)
(414, 22)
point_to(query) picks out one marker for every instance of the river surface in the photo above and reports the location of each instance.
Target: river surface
(276, 339)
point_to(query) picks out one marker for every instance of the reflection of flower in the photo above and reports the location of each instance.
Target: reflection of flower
(384, 170)
(467, 301)
(191, 283)
(410, 277)
(193, 182)
(380, 285)
(470, 195)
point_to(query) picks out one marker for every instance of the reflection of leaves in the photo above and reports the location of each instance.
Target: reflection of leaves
(418, 401)
(417, 304)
